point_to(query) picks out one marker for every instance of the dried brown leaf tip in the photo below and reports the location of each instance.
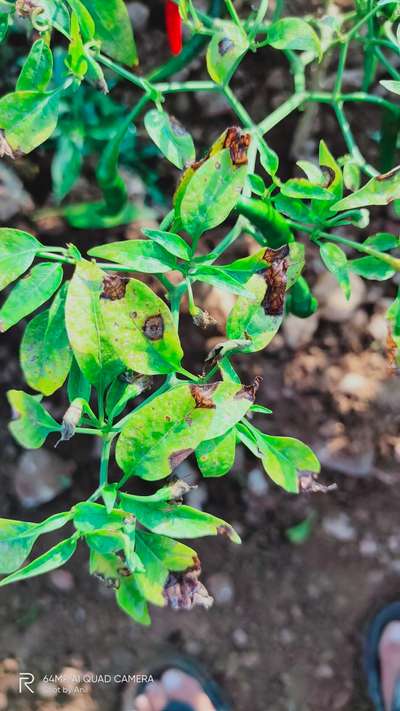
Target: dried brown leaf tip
(238, 144)
(179, 456)
(249, 392)
(308, 484)
(203, 319)
(183, 591)
(114, 287)
(25, 8)
(202, 395)
(5, 148)
(276, 279)
(153, 327)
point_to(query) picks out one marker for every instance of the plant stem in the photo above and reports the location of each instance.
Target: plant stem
(104, 459)
(232, 11)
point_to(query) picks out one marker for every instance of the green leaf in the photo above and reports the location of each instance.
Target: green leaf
(312, 171)
(173, 140)
(87, 335)
(173, 243)
(30, 292)
(121, 392)
(54, 558)
(78, 386)
(391, 85)
(211, 193)
(216, 457)
(257, 184)
(17, 252)
(221, 278)
(228, 45)
(177, 521)
(351, 175)
(384, 241)
(84, 18)
(93, 517)
(66, 165)
(232, 401)
(371, 268)
(381, 190)
(131, 600)
(18, 537)
(57, 15)
(336, 262)
(32, 423)
(96, 215)
(303, 189)
(28, 118)
(114, 29)
(294, 33)
(283, 456)
(76, 60)
(138, 254)
(333, 180)
(268, 158)
(141, 330)
(37, 69)
(162, 433)
(301, 532)
(45, 354)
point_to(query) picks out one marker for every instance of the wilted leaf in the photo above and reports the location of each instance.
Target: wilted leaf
(54, 558)
(37, 69)
(381, 190)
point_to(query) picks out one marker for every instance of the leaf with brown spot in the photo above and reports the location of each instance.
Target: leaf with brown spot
(177, 521)
(173, 423)
(141, 330)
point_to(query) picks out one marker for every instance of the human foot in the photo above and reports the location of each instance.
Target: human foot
(389, 656)
(173, 686)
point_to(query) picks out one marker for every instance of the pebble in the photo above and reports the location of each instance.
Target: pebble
(357, 385)
(221, 588)
(298, 332)
(339, 527)
(46, 690)
(257, 483)
(13, 198)
(345, 462)
(240, 638)
(378, 328)
(368, 547)
(139, 15)
(324, 671)
(197, 497)
(62, 580)
(334, 305)
(41, 476)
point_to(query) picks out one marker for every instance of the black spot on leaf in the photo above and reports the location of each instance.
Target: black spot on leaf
(225, 45)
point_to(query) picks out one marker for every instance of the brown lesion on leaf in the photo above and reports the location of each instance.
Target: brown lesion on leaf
(238, 144)
(248, 392)
(25, 8)
(203, 319)
(309, 484)
(329, 176)
(179, 456)
(225, 45)
(225, 531)
(114, 287)
(276, 280)
(154, 327)
(184, 591)
(202, 395)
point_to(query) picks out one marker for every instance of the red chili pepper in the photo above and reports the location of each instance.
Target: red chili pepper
(174, 26)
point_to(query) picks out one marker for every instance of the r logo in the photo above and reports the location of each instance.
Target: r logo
(25, 681)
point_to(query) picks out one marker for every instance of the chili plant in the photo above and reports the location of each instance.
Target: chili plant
(112, 339)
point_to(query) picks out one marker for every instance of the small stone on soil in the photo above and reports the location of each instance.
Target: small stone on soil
(62, 580)
(257, 483)
(339, 526)
(41, 476)
(221, 588)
